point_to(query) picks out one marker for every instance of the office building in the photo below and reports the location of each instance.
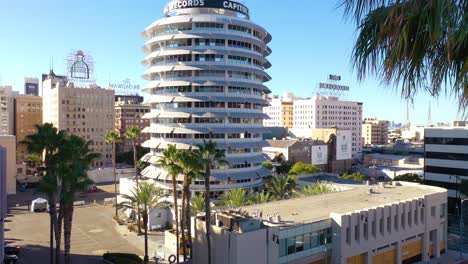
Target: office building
(3, 197)
(7, 96)
(322, 112)
(128, 114)
(31, 86)
(129, 99)
(9, 144)
(28, 114)
(85, 112)
(280, 112)
(399, 223)
(375, 132)
(206, 66)
(446, 159)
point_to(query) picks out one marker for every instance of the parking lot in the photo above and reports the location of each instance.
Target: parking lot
(93, 233)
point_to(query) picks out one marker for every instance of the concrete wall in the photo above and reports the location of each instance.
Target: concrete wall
(3, 197)
(159, 217)
(9, 142)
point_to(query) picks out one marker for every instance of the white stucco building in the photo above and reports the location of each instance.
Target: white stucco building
(399, 223)
(7, 105)
(206, 65)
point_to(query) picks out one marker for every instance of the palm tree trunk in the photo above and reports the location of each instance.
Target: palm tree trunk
(115, 179)
(208, 211)
(187, 213)
(58, 218)
(67, 228)
(137, 184)
(182, 224)
(145, 221)
(176, 213)
(51, 237)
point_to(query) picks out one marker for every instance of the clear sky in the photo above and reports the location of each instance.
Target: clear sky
(310, 40)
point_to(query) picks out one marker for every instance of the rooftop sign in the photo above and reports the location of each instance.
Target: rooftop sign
(335, 87)
(183, 4)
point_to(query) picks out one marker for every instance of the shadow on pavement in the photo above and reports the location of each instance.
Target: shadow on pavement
(40, 255)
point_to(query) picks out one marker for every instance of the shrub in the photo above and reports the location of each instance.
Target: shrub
(354, 177)
(317, 188)
(267, 164)
(301, 168)
(132, 228)
(119, 220)
(408, 177)
(122, 258)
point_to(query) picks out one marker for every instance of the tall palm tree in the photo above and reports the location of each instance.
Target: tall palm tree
(210, 157)
(168, 162)
(197, 204)
(133, 133)
(259, 198)
(235, 197)
(191, 167)
(149, 196)
(45, 142)
(111, 138)
(77, 158)
(281, 187)
(415, 44)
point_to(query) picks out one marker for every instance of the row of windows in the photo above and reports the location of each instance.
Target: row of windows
(446, 156)
(446, 141)
(208, 89)
(448, 171)
(162, 106)
(203, 26)
(209, 120)
(296, 244)
(205, 42)
(207, 73)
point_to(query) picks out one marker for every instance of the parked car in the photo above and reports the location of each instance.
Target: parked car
(9, 250)
(10, 259)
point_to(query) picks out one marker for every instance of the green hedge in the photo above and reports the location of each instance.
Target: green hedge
(122, 258)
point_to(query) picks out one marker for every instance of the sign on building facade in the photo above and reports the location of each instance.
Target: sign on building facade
(343, 145)
(319, 155)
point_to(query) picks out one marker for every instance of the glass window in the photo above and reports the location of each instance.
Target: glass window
(299, 243)
(307, 244)
(433, 211)
(442, 211)
(291, 245)
(283, 247)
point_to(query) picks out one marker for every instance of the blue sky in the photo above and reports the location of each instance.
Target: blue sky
(310, 40)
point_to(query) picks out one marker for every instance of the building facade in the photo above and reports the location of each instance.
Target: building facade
(128, 114)
(402, 223)
(206, 66)
(446, 159)
(85, 112)
(280, 112)
(28, 114)
(9, 144)
(3, 197)
(375, 132)
(31, 86)
(7, 96)
(329, 112)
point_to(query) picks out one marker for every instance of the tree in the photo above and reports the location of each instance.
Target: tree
(234, 197)
(301, 168)
(354, 177)
(281, 187)
(197, 204)
(210, 157)
(267, 165)
(464, 187)
(168, 162)
(191, 167)
(149, 197)
(408, 177)
(317, 188)
(46, 142)
(111, 138)
(76, 158)
(133, 133)
(415, 44)
(259, 198)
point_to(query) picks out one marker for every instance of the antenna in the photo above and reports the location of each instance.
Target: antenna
(429, 116)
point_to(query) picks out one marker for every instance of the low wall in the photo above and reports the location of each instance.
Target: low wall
(103, 175)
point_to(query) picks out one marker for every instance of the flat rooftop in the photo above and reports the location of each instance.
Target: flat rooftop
(356, 198)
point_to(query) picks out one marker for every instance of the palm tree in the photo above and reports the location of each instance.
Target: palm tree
(197, 204)
(147, 195)
(259, 198)
(281, 187)
(45, 142)
(133, 133)
(317, 188)
(112, 137)
(210, 157)
(168, 162)
(234, 197)
(77, 158)
(190, 167)
(415, 44)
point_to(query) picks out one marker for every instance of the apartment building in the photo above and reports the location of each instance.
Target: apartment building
(375, 132)
(9, 144)
(329, 112)
(280, 112)
(7, 96)
(398, 223)
(3, 197)
(28, 114)
(128, 114)
(85, 112)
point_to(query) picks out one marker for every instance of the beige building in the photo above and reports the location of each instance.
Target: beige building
(7, 96)
(128, 114)
(85, 112)
(375, 132)
(280, 112)
(28, 114)
(398, 223)
(9, 142)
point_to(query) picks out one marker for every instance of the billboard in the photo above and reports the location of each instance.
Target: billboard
(228, 5)
(319, 155)
(343, 145)
(80, 68)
